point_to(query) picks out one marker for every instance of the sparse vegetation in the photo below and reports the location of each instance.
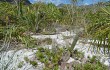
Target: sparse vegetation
(77, 54)
(26, 59)
(93, 64)
(50, 58)
(34, 63)
(18, 20)
(20, 65)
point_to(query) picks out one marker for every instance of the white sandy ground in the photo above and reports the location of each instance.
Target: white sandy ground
(59, 41)
(19, 57)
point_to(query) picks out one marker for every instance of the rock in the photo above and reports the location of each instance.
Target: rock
(84, 60)
(70, 60)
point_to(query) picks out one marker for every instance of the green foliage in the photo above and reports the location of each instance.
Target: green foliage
(27, 41)
(34, 63)
(77, 54)
(90, 66)
(26, 59)
(7, 13)
(99, 27)
(49, 58)
(54, 68)
(20, 65)
(16, 20)
(93, 59)
(32, 18)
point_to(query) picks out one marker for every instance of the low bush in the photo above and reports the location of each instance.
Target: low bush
(34, 63)
(20, 65)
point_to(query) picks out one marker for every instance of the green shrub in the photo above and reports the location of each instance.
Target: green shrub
(88, 66)
(77, 54)
(34, 63)
(40, 55)
(26, 59)
(78, 67)
(49, 58)
(20, 65)
(93, 59)
(41, 49)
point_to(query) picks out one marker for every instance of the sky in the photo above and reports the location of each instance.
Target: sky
(57, 2)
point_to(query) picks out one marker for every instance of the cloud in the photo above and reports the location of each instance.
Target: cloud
(86, 4)
(33, 1)
(56, 1)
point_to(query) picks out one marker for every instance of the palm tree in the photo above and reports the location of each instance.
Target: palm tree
(99, 28)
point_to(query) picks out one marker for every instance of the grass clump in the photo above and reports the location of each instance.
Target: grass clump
(93, 59)
(34, 63)
(20, 65)
(26, 59)
(77, 54)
